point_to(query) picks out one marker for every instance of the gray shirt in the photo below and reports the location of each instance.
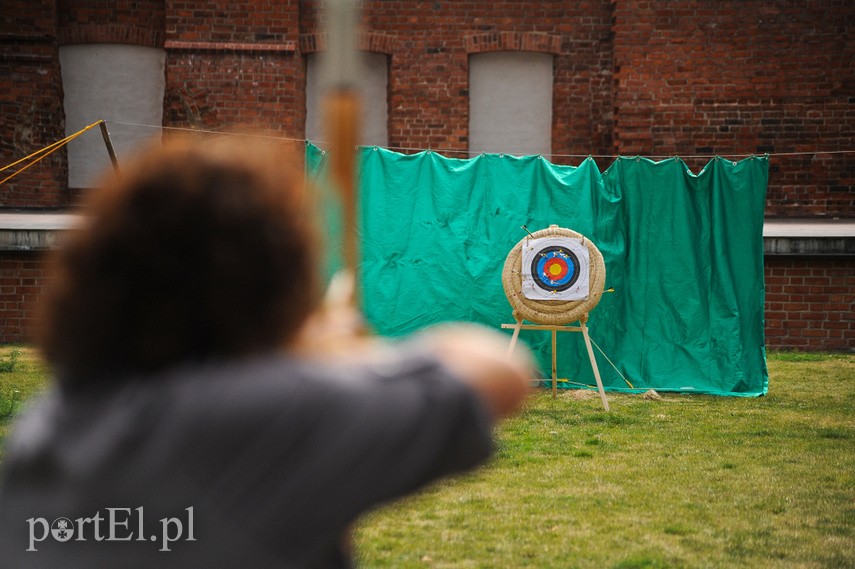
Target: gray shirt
(259, 463)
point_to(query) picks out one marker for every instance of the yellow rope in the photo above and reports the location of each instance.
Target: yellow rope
(46, 151)
(49, 146)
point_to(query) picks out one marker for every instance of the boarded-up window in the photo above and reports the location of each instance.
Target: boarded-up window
(118, 83)
(510, 103)
(373, 89)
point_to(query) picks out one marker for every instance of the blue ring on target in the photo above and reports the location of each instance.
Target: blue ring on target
(555, 268)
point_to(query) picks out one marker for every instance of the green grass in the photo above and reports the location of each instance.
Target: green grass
(9, 361)
(688, 481)
(21, 376)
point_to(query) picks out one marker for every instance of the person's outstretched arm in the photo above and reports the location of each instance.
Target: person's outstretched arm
(478, 356)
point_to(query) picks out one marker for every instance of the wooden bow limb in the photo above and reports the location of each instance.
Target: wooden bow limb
(338, 327)
(341, 115)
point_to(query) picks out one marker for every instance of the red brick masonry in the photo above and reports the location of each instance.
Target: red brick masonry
(809, 304)
(631, 77)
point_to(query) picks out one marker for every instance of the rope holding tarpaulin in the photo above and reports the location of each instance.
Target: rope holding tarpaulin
(43, 153)
(469, 154)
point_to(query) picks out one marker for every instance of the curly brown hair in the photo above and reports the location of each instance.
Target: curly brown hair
(201, 249)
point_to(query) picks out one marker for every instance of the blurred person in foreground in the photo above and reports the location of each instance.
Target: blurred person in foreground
(194, 422)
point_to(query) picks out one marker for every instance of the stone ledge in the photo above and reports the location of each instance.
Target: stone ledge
(35, 231)
(809, 237)
(182, 45)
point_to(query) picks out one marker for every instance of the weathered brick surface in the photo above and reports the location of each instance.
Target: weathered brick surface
(273, 21)
(31, 114)
(136, 22)
(809, 304)
(235, 65)
(31, 100)
(738, 77)
(630, 77)
(23, 281)
(220, 90)
(429, 77)
(28, 18)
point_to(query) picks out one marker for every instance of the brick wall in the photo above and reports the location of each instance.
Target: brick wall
(31, 114)
(218, 89)
(23, 280)
(809, 304)
(631, 77)
(728, 77)
(31, 107)
(136, 22)
(429, 77)
(234, 63)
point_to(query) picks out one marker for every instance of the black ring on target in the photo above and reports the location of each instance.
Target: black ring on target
(561, 255)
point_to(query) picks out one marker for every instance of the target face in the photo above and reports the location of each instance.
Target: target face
(555, 268)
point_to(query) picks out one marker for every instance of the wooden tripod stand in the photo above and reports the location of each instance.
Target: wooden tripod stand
(583, 328)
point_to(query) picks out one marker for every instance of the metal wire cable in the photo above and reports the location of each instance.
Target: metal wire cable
(469, 152)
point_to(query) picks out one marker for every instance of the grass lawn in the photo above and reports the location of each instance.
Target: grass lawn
(22, 375)
(687, 481)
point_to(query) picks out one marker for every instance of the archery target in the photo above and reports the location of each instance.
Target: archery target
(575, 268)
(555, 268)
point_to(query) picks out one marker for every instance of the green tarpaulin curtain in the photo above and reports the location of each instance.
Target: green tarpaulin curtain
(683, 251)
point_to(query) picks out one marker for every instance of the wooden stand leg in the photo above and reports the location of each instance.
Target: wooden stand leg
(554, 365)
(593, 364)
(514, 338)
(555, 329)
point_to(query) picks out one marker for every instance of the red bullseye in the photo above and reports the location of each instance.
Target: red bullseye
(555, 269)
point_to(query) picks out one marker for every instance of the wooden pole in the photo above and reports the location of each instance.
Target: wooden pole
(514, 338)
(557, 328)
(554, 364)
(594, 364)
(105, 134)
